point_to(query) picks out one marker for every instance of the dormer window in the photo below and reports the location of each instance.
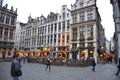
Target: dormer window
(81, 5)
(63, 15)
(60, 17)
(41, 21)
(63, 9)
(75, 6)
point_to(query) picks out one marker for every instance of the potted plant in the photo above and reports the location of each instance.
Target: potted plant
(90, 38)
(81, 39)
(74, 39)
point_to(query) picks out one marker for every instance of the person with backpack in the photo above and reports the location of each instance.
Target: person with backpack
(16, 67)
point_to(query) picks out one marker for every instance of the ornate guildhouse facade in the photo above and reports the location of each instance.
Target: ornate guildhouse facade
(7, 27)
(47, 36)
(87, 33)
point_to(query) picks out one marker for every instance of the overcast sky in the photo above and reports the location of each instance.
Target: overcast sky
(38, 7)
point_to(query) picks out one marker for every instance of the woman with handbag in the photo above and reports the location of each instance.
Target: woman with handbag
(16, 67)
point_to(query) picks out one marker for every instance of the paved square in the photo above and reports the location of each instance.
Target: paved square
(32, 71)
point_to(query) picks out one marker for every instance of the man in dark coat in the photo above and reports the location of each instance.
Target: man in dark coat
(93, 65)
(48, 63)
(118, 68)
(16, 67)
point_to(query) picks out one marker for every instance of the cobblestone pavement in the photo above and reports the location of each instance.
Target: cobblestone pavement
(32, 71)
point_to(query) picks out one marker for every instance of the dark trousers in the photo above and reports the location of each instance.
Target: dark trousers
(48, 65)
(118, 72)
(93, 68)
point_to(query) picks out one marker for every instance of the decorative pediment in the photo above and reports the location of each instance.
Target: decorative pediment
(82, 3)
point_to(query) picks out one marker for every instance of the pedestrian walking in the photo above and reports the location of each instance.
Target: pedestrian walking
(24, 59)
(16, 67)
(93, 65)
(118, 68)
(48, 63)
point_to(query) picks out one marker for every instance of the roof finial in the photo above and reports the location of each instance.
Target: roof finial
(1, 2)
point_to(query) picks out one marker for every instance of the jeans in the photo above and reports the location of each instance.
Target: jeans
(48, 65)
(15, 78)
(118, 72)
(93, 69)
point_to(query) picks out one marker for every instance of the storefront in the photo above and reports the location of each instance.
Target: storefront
(6, 51)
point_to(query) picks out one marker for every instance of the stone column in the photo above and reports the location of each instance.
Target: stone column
(8, 34)
(65, 39)
(7, 52)
(95, 52)
(3, 33)
(78, 55)
(61, 39)
(86, 54)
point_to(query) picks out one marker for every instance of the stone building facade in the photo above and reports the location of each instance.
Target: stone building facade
(7, 27)
(87, 33)
(74, 34)
(47, 35)
(116, 16)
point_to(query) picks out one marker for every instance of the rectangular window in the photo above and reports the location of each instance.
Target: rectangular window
(55, 28)
(90, 14)
(74, 30)
(82, 16)
(68, 38)
(68, 24)
(74, 18)
(90, 30)
(59, 26)
(51, 28)
(63, 25)
(12, 20)
(82, 31)
(54, 38)
(63, 15)
(2, 17)
(6, 34)
(11, 34)
(81, 5)
(48, 28)
(1, 30)
(7, 19)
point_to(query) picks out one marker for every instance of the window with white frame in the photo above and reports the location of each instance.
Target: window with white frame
(90, 14)
(74, 17)
(74, 31)
(90, 30)
(82, 31)
(82, 16)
